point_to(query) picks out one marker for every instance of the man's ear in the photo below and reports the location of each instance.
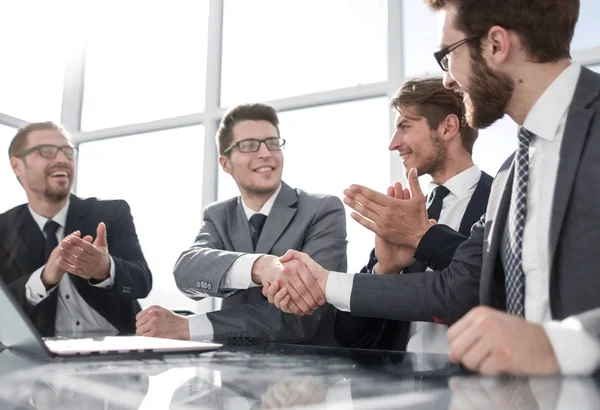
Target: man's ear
(17, 166)
(449, 127)
(224, 161)
(498, 45)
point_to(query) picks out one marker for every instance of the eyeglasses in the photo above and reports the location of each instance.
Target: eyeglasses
(253, 145)
(50, 151)
(441, 56)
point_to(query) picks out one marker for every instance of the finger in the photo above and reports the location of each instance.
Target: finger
(413, 183)
(303, 282)
(67, 267)
(433, 222)
(293, 291)
(88, 239)
(88, 248)
(272, 291)
(265, 289)
(101, 241)
(398, 191)
(460, 326)
(463, 343)
(146, 330)
(391, 191)
(371, 226)
(492, 366)
(278, 296)
(288, 256)
(74, 260)
(365, 207)
(477, 353)
(363, 194)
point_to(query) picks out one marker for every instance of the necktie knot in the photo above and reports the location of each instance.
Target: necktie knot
(435, 202)
(257, 221)
(51, 227)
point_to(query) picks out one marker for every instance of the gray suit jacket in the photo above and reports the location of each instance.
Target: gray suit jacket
(314, 224)
(476, 275)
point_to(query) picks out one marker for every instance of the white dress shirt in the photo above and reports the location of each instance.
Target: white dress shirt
(239, 276)
(73, 314)
(430, 337)
(577, 351)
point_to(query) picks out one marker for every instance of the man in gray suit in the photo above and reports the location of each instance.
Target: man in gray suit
(241, 238)
(532, 261)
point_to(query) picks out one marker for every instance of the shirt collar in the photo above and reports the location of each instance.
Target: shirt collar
(266, 208)
(462, 182)
(544, 118)
(60, 217)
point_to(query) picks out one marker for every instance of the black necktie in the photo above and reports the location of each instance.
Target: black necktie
(51, 242)
(435, 202)
(257, 221)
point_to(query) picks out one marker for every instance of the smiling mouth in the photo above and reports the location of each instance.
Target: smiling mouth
(405, 155)
(264, 169)
(59, 174)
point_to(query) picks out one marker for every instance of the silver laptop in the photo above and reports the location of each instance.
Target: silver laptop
(18, 333)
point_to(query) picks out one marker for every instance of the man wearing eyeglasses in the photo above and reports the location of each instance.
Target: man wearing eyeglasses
(241, 238)
(532, 260)
(75, 265)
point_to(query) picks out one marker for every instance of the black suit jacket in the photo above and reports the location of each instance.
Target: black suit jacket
(22, 252)
(435, 249)
(476, 275)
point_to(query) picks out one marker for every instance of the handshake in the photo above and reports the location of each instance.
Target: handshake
(294, 282)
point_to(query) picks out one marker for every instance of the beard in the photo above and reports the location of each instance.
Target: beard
(56, 195)
(487, 95)
(436, 162)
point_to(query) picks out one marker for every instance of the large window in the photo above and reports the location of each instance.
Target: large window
(145, 62)
(421, 39)
(587, 29)
(34, 45)
(274, 49)
(160, 176)
(12, 193)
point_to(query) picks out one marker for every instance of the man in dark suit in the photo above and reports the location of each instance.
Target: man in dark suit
(65, 280)
(241, 239)
(432, 136)
(532, 260)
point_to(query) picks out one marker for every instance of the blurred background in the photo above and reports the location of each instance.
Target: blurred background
(141, 85)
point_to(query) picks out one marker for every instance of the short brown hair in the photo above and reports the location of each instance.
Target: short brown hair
(243, 112)
(435, 102)
(545, 27)
(19, 141)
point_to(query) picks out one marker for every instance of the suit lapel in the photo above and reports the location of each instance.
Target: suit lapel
(239, 231)
(498, 217)
(32, 238)
(477, 204)
(76, 217)
(279, 218)
(576, 132)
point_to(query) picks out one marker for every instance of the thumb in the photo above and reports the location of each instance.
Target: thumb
(432, 222)
(101, 236)
(413, 183)
(288, 256)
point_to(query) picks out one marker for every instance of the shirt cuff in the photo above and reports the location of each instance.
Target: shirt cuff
(577, 352)
(239, 276)
(110, 281)
(35, 291)
(338, 290)
(200, 327)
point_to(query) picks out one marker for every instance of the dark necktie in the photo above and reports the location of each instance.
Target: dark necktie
(51, 242)
(513, 246)
(435, 202)
(257, 221)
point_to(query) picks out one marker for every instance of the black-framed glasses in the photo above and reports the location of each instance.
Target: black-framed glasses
(441, 56)
(50, 151)
(253, 145)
